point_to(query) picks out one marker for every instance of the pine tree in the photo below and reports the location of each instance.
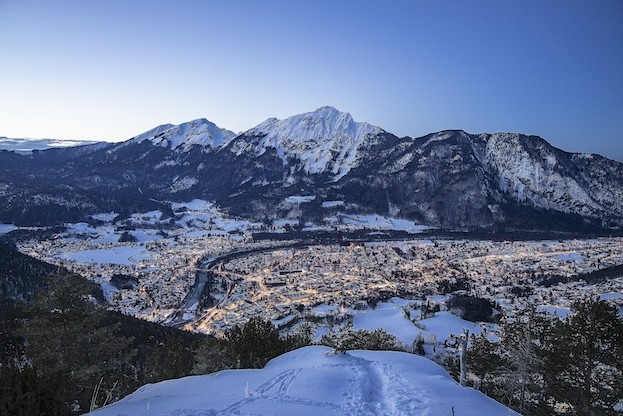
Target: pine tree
(212, 355)
(339, 337)
(24, 393)
(67, 338)
(585, 363)
(168, 360)
(523, 342)
(343, 338)
(485, 361)
(254, 343)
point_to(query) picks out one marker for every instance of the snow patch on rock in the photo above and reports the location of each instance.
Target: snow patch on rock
(186, 182)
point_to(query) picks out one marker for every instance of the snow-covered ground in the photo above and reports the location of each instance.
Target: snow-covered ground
(323, 310)
(7, 228)
(198, 215)
(105, 216)
(127, 254)
(199, 218)
(299, 199)
(314, 381)
(553, 310)
(332, 204)
(377, 222)
(567, 257)
(195, 219)
(606, 296)
(391, 317)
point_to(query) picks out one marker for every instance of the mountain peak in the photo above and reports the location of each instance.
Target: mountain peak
(322, 140)
(329, 113)
(324, 122)
(327, 109)
(150, 134)
(201, 132)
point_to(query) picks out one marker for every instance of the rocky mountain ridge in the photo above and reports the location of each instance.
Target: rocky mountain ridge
(450, 179)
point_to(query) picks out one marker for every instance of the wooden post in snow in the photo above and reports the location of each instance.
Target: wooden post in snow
(463, 356)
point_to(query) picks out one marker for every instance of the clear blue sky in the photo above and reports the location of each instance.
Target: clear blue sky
(111, 69)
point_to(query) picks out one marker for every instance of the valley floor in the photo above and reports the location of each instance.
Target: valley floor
(318, 284)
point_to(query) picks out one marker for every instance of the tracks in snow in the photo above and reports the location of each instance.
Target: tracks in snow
(373, 389)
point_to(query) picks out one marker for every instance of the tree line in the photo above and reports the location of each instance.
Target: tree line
(64, 353)
(544, 365)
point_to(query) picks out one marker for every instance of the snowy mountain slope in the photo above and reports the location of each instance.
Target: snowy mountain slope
(601, 176)
(530, 170)
(313, 381)
(435, 180)
(315, 142)
(149, 134)
(183, 137)
(455, 179)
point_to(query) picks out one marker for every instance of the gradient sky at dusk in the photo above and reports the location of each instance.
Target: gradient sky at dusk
(109, 70)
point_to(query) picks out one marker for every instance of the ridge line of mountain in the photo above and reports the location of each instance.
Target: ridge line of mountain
(449, 179)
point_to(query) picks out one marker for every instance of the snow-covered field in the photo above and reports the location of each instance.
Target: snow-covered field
(314, 381)
(199, 218)
(373, 221)
(332, 204)
(198, 215)
(195, 219)
(567, 257)
(126, 255)
(391, 317)
(105, 216)
(299, 199)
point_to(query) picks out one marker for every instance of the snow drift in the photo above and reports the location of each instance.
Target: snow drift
(314, 381)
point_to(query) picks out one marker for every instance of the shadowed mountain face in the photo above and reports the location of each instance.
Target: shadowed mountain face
(449, 179)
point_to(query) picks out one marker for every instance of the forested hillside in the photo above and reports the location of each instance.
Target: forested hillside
(20, 275)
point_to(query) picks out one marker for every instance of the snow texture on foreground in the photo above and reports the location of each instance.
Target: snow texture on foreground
(314, 381)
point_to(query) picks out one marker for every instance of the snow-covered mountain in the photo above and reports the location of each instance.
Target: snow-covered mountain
(313, 381)
(183, 137)
(450, 179)
(315, 142)
(529, 169)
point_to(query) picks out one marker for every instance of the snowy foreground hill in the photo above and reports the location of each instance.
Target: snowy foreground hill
(314, 381)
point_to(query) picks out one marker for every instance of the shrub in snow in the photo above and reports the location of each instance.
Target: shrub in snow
(343, 338)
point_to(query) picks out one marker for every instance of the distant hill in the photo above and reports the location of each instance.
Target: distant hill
(26, 146)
